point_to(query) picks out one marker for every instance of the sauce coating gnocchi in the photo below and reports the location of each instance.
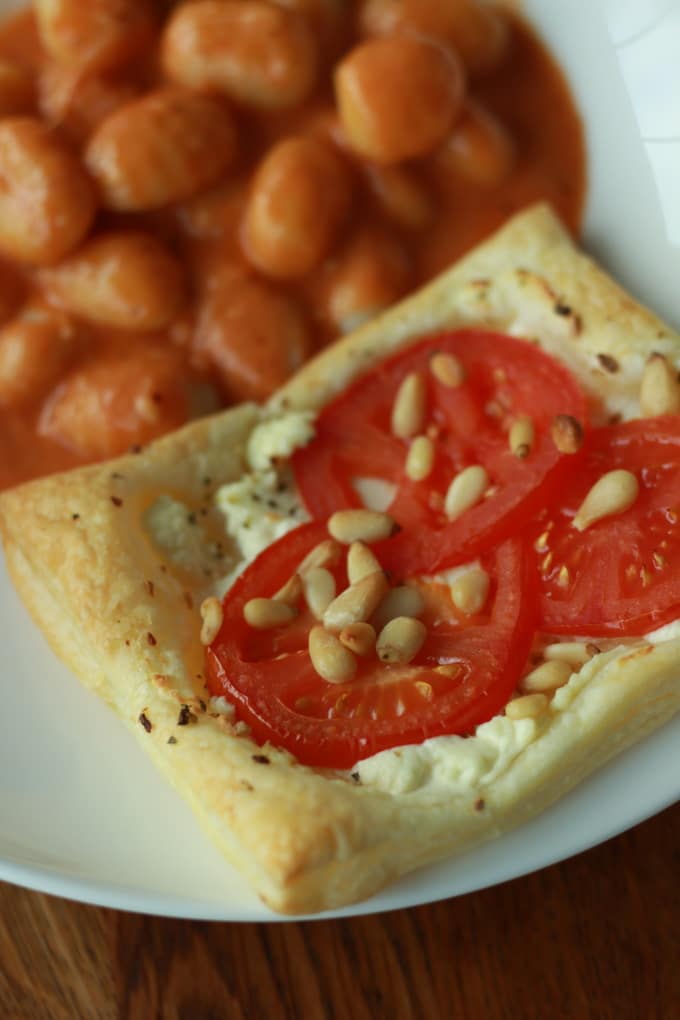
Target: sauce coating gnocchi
(125, 279)
(195, 195)
(398, 97)
(299, 199)
(159, 149)
(47, 200)
(260, 57)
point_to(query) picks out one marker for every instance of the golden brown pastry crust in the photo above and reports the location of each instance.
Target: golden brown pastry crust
(125, 619)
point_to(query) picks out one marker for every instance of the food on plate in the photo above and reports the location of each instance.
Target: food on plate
(290, 612)
(231, 186)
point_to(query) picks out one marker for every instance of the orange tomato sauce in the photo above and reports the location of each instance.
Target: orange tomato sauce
(173, 374)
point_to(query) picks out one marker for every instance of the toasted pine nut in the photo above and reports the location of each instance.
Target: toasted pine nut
(660, 388)
(325, 554)
(332, 661)
(319, 588)
(470, 591)
(263, 614)
(613, 493)
(522, 436)
(448, 669)
(408, 410)
(420, 458)
(361, 526)
(400, 601)
(546, 677)
(401, 639)
(359, 638)
(360, 562)
(575, 653)
(466, 489)
(447, 369)
(356, 603)
(529, 706)
(212, 616)
(567, 433)
(291, 591)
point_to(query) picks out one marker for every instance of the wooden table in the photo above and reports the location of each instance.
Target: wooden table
(595, 937)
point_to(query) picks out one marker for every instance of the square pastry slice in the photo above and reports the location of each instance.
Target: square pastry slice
(465, 733)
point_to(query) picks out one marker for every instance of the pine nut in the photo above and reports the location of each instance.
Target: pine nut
(567, 433)
(332, 661)
(546, 677)
(361, 526)
(291, 591)
(527, 707)
(359, 638)
(447, 369)
(360, 562)
(408, 410)
(420, 458)
(576, 653)
(613, 493)
(400, 601)
(263, 614)
(319, 589)
(424, 689)
(449, 669)
(466, 489)
(660, 388)
(522, 436)
(325, 554)
(212, 616)
(400, 640)
(470, 591)
(356, 603)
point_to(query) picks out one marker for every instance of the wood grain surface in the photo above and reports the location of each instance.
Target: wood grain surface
(594, 937)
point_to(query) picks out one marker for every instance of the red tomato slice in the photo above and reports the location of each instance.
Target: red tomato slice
(505, 378)
(622, 574)
(269, 675)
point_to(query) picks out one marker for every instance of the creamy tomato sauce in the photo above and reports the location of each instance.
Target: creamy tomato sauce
(237, 330)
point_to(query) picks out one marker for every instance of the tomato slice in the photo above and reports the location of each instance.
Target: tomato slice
(270, 678)
(505, 378)
(622, 574)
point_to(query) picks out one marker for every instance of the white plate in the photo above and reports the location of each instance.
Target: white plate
(83, 813)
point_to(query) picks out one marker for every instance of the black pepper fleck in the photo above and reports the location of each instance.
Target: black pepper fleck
(149, 585)
(191, 518)
(561, 309)
(146, 722)
(172, 740)
(185, 716)
(136, 448)
(608, 363)
(261, 759)
(75, 517)
(116, 500)
(480, 804)
(356, 777)
(151, 639)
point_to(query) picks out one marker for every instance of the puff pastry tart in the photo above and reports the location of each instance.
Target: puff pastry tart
(410, 602)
